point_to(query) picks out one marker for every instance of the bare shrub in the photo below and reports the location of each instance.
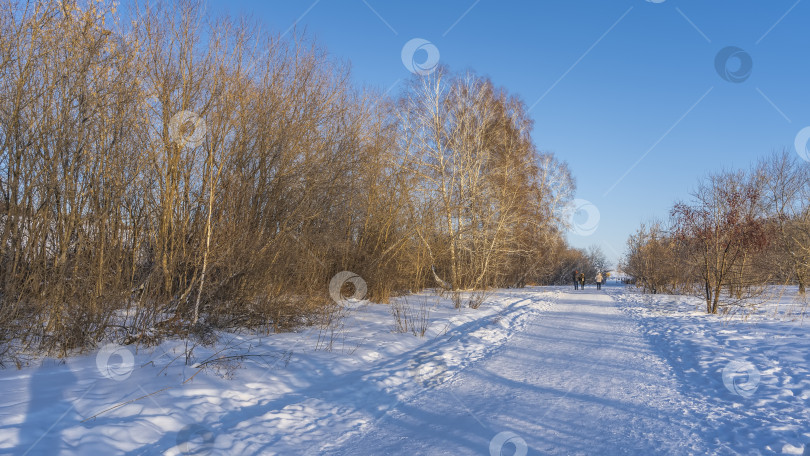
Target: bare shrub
(409, 318)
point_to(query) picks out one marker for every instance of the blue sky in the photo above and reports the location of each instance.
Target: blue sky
(625, 91)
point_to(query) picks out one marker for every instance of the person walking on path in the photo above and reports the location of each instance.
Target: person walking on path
(582, 280)
(598, 280)
(576, 279)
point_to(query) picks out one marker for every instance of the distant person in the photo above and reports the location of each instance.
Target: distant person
(576, 279)
(599, 280)
(582, 280)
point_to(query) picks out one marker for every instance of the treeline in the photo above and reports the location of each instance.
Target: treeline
(196, 171)
(740, 232)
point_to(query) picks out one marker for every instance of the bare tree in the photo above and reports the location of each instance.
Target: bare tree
(786, 189)
(654, 262)
(720, 229)
(485, 196)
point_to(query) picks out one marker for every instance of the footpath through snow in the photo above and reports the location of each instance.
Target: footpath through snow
(580, 379)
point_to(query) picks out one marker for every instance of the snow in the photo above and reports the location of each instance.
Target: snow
(541, 370)
(748, 377)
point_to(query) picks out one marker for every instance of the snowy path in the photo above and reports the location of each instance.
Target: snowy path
(579, 379)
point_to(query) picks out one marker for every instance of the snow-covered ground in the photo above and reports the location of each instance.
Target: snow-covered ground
(747, 376)
(533, 371)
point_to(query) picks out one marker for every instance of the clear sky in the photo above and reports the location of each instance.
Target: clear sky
(626, 91)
